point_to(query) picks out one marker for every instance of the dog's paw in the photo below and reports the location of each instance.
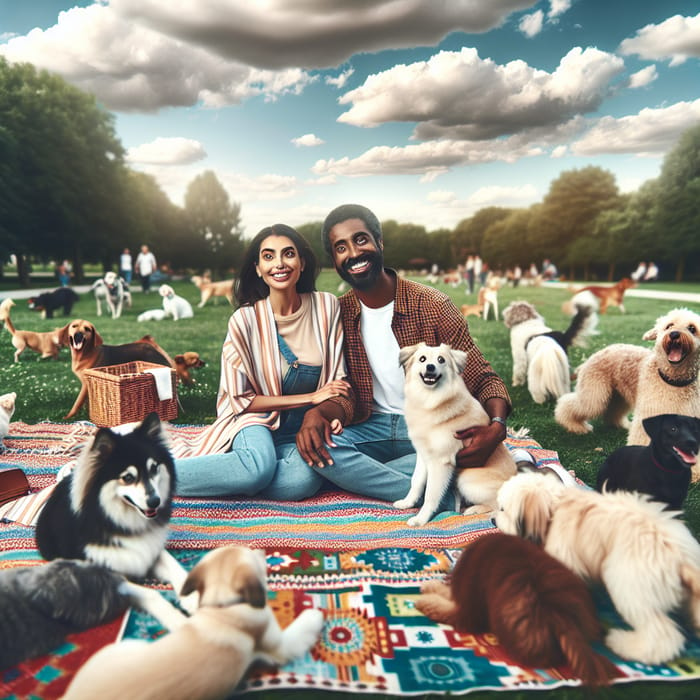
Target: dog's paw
(308, 628)
(477, 509)
(417, 520)
(657, 647)
(403, 504)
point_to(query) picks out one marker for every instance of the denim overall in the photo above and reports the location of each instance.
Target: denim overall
(299, 379)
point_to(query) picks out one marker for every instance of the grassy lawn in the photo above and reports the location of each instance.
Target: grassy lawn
(46, 390)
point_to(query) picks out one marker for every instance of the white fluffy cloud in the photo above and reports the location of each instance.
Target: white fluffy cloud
(307, 140)
(458, 95)
(167, 151)
(531, 25)
(651, 132)
(675, 39)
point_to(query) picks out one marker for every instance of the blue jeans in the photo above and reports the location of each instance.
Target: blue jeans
(375, 458)
(257, 465)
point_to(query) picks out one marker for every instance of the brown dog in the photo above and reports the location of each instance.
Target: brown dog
(541, 612)
(209, 289)
(609, 296)
(186, 361)
(47, 343)
(87, 351)
(208, 655)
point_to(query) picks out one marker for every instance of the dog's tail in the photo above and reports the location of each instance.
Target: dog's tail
(592, 668)
(5, 314)
(582, 326)
(547, 368)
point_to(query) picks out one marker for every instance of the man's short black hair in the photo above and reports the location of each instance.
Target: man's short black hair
(350, 211)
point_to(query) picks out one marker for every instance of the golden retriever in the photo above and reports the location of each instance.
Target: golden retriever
(438, 404)
(644, 555)
(209, 289)
(208, 655)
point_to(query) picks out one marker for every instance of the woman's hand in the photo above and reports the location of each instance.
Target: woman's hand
(337, 387)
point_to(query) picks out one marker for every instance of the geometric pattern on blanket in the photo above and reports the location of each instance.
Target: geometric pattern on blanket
(353, 557)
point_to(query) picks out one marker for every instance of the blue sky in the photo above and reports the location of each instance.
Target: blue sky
(424, 110)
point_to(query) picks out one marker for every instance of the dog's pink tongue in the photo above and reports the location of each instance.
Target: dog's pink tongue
(675, 355)
(687, 457)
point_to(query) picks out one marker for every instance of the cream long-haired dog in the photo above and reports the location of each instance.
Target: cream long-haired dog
(208, 654)
(437, 405)
(623, 377)
(644, 555)
(540, 354)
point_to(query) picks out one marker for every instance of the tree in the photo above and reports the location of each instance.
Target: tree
(60, 173)
(568, 211)
(677, 217)
(504, 242)
(216, 223)
(469, 233)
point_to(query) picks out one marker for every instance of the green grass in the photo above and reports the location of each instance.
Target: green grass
(46, 389)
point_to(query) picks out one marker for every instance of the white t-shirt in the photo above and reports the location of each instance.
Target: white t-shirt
(382, 350)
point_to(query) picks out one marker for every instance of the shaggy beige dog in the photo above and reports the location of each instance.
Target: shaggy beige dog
(623, 378)
(645, 556)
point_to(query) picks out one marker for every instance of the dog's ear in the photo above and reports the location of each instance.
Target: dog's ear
(406, 353)
(96, 337)
(651, 334)
(62, 335)
(534, 517)
(194, 581)
(179, 360)
(151, 427)
(460, 358)
(653, 425)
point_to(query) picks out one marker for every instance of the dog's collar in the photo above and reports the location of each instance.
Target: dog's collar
(665, 469)
(676, 382)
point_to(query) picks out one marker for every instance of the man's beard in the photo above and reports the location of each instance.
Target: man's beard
(368, 278)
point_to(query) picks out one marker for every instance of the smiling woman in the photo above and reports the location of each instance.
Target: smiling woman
(282, 354)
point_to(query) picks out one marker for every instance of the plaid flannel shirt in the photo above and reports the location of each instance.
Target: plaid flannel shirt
(421, 314)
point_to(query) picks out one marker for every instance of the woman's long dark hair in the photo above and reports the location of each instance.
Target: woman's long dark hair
(250, 288)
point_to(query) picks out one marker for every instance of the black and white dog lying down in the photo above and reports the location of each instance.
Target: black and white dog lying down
(41, 605)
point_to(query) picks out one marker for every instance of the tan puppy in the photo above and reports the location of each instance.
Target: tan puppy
(644, 555)
(472, 310)
(622, 378)
(46, 343)
(209, 654)
(438, 404)
(209, 289)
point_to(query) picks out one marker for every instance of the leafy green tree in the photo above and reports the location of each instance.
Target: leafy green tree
(568, 212)
(677, 217)
(504, 242)
(405, 245)
(60, 174)
(216, 222)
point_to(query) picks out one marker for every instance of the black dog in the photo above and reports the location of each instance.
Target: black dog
(48, 302)
(663, 468)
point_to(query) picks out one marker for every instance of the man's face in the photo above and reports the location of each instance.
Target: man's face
(357, 257)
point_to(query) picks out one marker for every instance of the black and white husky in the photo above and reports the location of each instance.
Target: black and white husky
(114, 508)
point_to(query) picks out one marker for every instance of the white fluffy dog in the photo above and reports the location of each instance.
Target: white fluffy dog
(7, 409)
(152, 315)
(113, 291)
(644, 555)
(622, 378)
(539, 353)
(176, 306)
(438, 404)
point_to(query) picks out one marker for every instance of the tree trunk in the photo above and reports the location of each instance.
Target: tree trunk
(680, 269)
(22, 271)
(611, 271)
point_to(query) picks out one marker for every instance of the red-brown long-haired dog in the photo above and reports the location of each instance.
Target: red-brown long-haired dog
(541, 612)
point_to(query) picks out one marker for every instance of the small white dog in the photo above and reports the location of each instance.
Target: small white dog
(7, 409)
(113, 291)
(176, 306)
(623, 377)
(208, 655)
(437, 405)
(539, 353)
(152, 315)
(644, 555)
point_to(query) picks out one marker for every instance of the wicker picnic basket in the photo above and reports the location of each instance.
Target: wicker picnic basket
(125, 393)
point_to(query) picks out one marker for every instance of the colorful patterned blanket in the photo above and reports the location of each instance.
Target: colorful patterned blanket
(353, 557)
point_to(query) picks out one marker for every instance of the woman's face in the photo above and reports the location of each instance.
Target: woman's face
(279, 263)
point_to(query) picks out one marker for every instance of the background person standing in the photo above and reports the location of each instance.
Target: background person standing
(145, 266)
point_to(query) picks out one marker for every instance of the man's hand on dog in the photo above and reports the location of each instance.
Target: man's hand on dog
(479, 442)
